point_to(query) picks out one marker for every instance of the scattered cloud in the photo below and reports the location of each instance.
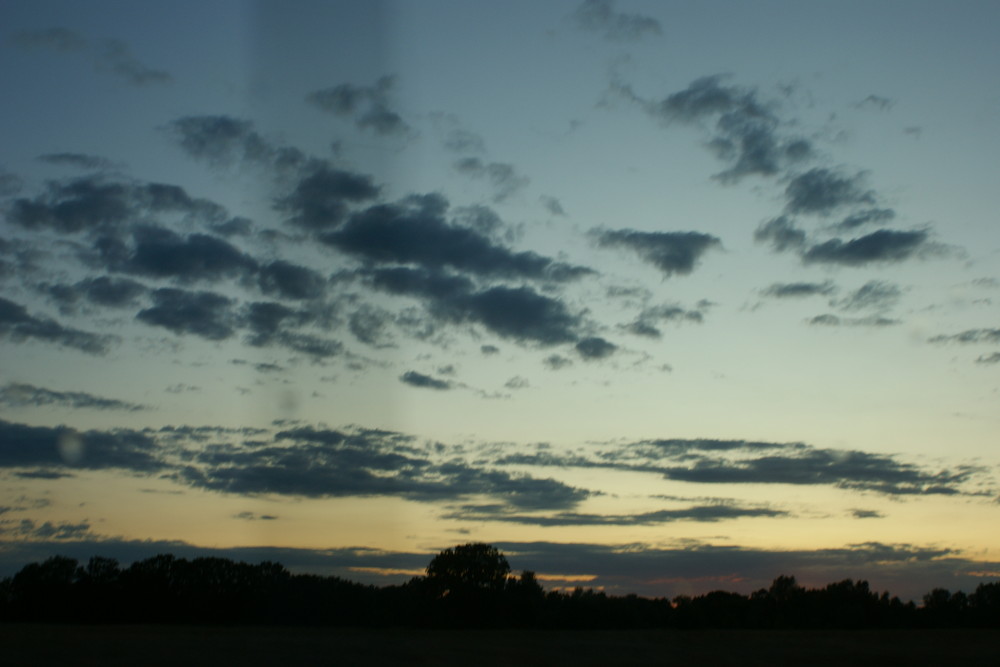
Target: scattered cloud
(671, 252)
(600, 16)
(873, 295)
(367, 106)
(109, 55)
(799, 290)
(19, 394)
(17, 325)
(501, 175)
(415, 379)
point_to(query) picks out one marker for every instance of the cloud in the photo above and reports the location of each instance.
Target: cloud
(368, 325)
(600, 16)
(17, 325)
(517, 382)
(161, 253)
(368, 106)
(253, 516)
(747, 462)
(24, 446)
(595, 348)
(321, 198)
(28, 529)
(556, 362)
(489, 350)
(78, 160)
(223, 140)
(746, 132)
(866, 217)
(829, 320)
(111, 55)
(876, 102)
(969, 336)
(698, 513)
(798, 290)
(501, 175)
(415, 379)
(867, 514)
(989, 359)
(781, 233)
(646, 322)
(414, 231)
(670, 252)
(552, 205)
(873, 295)
(19, 394)
(116, 56)
(96, 204)
(883, 245)
(291, 281)
(821, 191)
(204, 314)
(518, 313)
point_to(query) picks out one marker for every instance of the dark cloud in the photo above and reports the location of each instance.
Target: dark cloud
(96, 204)
(415, 231)
(873, 295)
(970, 336)
(867, 514)
(489, 350)
(884, 245)
(368, 106)
(821, 191)
(17, 325)
(291, 281)
(161, 253)
(670, 252)
(18, 394)
(60, 447)
(989, 359)
(746, 462)
(78, 160)
(111, 292)
(698, 513)
(797, 290)
(781, 233)
(415, 379)
(595, 348)
(501, 175)
(321, 198)
(600, 16)
(866, 217)
(364, 462)
(829, 320)
(204, 314)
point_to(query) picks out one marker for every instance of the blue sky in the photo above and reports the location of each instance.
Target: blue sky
(658, 297)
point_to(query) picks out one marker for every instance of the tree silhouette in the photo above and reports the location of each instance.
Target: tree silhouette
(467, 583)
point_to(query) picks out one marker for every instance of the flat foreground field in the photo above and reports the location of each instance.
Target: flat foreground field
(248, 646)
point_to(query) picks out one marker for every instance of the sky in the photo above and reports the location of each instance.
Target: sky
(657, 297)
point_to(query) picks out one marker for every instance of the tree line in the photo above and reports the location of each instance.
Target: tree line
(466, 586)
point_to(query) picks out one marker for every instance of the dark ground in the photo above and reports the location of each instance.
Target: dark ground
(249, 646)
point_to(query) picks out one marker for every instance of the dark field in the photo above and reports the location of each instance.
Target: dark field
(165, 645)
